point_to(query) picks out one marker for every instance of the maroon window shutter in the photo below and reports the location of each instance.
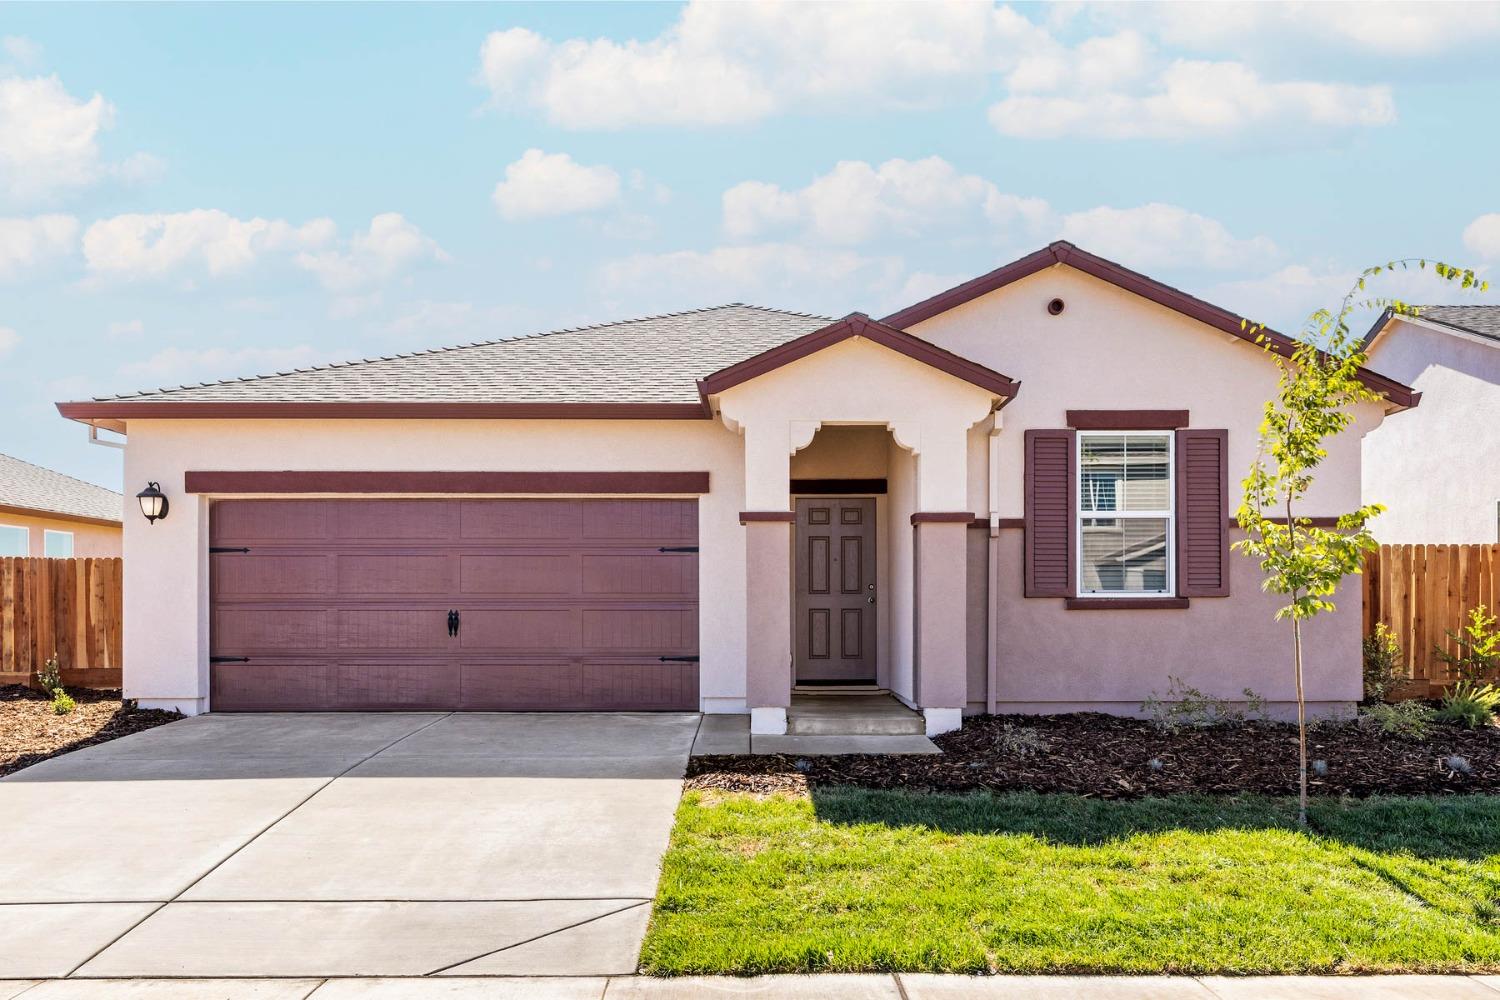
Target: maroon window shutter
(1202, 513)
(1050, 489)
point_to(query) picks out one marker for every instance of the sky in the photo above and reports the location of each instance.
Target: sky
(191, 192)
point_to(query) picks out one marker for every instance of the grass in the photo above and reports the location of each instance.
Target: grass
(851, 880)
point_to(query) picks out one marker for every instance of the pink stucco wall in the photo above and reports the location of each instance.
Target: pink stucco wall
(90, 541)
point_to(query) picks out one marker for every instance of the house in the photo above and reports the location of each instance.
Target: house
(47, 514)
(1014, 495)
(1437, 468)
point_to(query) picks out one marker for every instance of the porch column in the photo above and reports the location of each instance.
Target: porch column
(941, 611)
(768, 619)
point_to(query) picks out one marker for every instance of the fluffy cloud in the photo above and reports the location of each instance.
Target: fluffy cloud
(542, 184)
(390, 246)
(728, 63)
(9, 339)
(202, 241)
(27, 243)
(48, 138)
(856, 201)
(125, 329)
(1159, 236)
(177, 365)
(1482, 236)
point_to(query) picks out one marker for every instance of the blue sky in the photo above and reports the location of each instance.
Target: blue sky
(191, 192)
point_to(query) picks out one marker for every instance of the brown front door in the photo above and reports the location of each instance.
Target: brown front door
(499, 605)
(835, 604)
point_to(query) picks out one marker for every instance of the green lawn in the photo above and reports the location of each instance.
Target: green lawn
(852, 880)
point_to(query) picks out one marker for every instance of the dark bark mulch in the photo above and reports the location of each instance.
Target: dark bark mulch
(1106, 756)
(31, 732)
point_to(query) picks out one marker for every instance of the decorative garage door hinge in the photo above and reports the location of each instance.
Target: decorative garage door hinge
(229, 659)
(226, 548)
(678, 548)
(677, 659)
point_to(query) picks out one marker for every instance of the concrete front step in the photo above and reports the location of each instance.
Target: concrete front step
(852, 715)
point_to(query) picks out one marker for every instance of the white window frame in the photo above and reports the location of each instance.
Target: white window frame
(47, 533)
(26, 539)
(1156, 515)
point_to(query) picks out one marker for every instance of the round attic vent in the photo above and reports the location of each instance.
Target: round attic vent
(1056, 306)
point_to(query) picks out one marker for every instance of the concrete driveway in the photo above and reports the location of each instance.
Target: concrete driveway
(342, 845)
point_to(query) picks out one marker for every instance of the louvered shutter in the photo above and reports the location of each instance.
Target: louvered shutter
(1050, 489)
(1202, 513)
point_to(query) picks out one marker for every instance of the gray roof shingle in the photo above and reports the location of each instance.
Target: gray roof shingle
(657, 359)
(1484, 321)
(32, 487)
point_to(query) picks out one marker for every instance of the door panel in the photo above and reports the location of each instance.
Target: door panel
(328, 605)
(835, 590)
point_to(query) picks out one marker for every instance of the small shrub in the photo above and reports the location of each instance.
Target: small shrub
(49, 675)
(1458, 765)
(1478, 645)
(62, 702)
(1382, 659)
(1403, 718)
(1019, 741)
(1320, 768)
(1470, 705)
(1186, 707)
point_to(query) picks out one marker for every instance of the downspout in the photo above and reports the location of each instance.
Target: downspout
(992, 629)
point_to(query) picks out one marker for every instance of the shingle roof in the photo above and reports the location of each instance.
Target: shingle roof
(657, 359)
(31, 487)
(1483, 321)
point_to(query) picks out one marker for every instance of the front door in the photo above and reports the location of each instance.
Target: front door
(835, 583)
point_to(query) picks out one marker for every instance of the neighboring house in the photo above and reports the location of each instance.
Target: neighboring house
(1437, 468)
(706, 509)
(47, 514)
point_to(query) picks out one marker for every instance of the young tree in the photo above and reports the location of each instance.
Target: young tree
(1318, 389)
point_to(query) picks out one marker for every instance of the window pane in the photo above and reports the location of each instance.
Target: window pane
(1147, 473)
(1101, 472)
(1124, 555)
(14, 541)
(58, 545)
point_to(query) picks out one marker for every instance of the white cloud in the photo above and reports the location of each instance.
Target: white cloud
(177, 365)
(542, 184)
(9, 340)
(729, 63)
(390, 246)
(22, 52)
(1482, 236)
(126, 329)
(202, 241)
(48, 138)
(773, 272)
(856, 201)
(1187, 99)
(1157, 235)
(27, 243)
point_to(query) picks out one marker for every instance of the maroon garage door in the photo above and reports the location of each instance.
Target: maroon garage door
(501, 605)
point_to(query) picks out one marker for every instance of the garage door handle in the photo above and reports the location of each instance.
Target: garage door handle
(453, 623)
(676, 659)
(229, 659)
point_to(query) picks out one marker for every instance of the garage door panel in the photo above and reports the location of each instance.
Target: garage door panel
(396, 574)
(285, 520)
(644, 629)
(642, 686)
(271, 686)
(393, 629)
(640, 575)
(528, 573)
(641, 520)
(271, 574)
(386, 686)
(520, 521)
(530, 686)
(271, 629)
(521, 629)
(387, 520)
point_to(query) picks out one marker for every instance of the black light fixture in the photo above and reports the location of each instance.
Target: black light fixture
(153, 502)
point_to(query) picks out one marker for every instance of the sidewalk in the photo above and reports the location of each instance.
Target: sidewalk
(867, 987)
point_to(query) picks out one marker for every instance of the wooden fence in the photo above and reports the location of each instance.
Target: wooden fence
(70, 607)
(1422, 592)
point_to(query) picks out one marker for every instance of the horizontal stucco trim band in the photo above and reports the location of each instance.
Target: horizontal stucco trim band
(1126, 603)
(784, 516)
(57, 516)
(942, 517)
(445, 482)
(1127, 420)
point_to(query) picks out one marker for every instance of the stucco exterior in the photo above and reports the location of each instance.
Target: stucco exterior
(90, 541)
(1437, 468)
(950, 451)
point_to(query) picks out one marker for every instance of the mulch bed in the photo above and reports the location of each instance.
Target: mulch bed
(1104, 756)
(30, 732)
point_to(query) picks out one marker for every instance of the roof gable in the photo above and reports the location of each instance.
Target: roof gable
(1476, 323)
(1062, 252)
(859, 325)
(31, 489)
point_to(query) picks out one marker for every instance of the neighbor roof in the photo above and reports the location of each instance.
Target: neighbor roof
(31, 489)
(1482, 321)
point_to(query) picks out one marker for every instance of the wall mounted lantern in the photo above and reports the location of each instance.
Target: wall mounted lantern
(153, 502)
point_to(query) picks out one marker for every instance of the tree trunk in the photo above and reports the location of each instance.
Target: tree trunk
(1301, 724)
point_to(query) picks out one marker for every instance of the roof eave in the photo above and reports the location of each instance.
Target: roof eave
(102, 412)
(59, 515)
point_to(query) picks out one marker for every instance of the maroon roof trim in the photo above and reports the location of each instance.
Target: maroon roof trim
(444, 482)
(52, 515)
(1127, 420)
(858, 325)
(942, 517)
(782, 516)
(1062, 252)
(153, 409)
